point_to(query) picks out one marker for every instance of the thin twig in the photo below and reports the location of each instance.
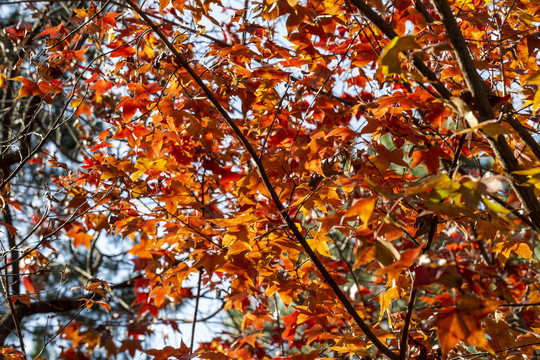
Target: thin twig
(498, 351)
(516, 212)
(281, 347)
(5, 285)
(405, 330)
(197, 299)
(278, 112)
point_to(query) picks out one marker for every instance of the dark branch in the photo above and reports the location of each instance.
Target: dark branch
(275, 197)
(7, 324)
(479, 90)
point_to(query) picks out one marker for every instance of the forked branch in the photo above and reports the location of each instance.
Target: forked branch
(478, 88)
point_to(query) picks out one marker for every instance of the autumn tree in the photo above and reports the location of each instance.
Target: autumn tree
(45, 133)
(352, 179)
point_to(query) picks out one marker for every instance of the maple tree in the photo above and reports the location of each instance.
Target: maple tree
(349, 178)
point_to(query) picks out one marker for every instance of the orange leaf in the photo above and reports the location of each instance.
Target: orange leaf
(11, 229)
(362, 208)
(519, 247)
(163, 4)
(463, 324)
(79, 236)
(29, 87)
(405, 261)
(30, 289)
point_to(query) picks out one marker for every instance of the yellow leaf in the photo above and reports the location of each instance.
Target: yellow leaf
(385, 252)
(520, 248)
(389, 62)
(81, 13)
(137, 174)
(536, 101)
(533, 78)
(362, 208)
(145, 164)
(385, 300)
(496, 207)
(528, 172)
(319, 244)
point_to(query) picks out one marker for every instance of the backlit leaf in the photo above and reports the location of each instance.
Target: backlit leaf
(362, 208)
(389, 61)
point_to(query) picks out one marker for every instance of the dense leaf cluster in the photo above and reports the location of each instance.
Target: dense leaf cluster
(349, 179)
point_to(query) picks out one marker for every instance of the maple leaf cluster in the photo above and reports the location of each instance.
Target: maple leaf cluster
(347, 179)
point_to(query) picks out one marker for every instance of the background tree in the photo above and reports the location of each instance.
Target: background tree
(354, 179)
(43, 126)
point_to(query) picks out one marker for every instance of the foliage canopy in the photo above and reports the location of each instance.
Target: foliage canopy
(348, 178)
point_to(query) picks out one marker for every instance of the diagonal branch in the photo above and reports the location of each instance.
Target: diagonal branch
(479, 90)
(7, 323)
(275, 197)
(474, 81)
(389, 32)
(524, 134)
(197, 300)
(405, 330)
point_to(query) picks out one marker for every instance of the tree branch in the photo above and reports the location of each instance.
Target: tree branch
(502, 151)
(474, 81)
(479, 91)
(7, 324)
(406, 324)
(13, 314)
(389, 32)
(524, 134)
(197, 300)
(273, 194)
